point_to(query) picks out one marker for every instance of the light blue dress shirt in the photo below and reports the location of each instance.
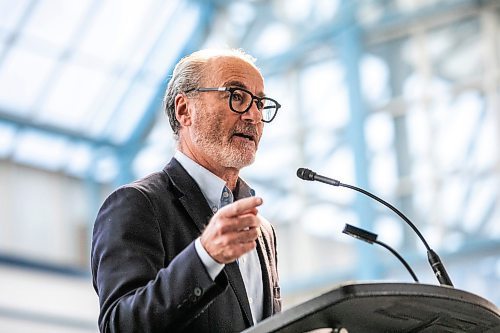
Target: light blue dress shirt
(218, 195)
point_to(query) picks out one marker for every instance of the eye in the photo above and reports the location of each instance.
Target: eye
(237, 96)
(241, 99)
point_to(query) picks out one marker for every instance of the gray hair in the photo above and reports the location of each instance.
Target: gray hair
(188, 74)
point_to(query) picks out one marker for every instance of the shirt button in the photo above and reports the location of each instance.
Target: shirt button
(214, 209)
(197, 291)
(250, 300)
(225, 194)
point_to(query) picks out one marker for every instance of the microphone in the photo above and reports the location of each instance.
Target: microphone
(434, 260)
(371, 238)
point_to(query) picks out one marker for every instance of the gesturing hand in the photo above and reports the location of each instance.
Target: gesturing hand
(232, 231)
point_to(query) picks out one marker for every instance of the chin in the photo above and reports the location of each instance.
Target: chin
(238, 159)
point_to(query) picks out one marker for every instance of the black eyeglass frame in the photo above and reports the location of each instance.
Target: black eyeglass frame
(258, 100)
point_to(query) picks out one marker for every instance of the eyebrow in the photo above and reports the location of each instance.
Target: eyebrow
(240, 84)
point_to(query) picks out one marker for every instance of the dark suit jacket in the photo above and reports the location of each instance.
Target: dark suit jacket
(147, 273)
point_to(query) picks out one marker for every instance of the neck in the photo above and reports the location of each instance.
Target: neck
(229, 175)
(231, 179)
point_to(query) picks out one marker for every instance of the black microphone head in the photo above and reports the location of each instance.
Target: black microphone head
(305, 174)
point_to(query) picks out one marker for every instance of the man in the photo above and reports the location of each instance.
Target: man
(184, 249)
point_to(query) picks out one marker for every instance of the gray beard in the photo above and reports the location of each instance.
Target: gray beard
(227, 154)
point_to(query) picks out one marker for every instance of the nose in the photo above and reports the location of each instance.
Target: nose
(253, 115)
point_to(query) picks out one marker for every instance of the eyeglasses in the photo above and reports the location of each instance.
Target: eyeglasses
(240, 101)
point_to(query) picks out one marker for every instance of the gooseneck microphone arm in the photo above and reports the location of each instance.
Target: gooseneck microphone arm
(434, 260)
(371, 238)
(394, 209)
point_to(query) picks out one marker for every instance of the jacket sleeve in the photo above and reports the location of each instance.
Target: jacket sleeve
(138, 291)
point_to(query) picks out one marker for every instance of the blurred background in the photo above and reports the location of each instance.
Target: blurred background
(399, 97)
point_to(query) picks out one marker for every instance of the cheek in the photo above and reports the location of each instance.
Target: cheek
(219, 125)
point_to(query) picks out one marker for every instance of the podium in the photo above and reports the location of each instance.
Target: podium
(388, 307)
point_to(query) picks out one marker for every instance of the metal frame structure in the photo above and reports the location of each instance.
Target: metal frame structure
(351, 39)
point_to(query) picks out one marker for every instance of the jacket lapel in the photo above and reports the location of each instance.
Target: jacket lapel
(191, 197)
(236, 281)
(267, 310)
(197, 207)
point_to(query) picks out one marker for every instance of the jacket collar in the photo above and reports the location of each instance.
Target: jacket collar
(190, 194)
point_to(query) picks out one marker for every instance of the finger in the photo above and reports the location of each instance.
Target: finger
(253, 211)
(235, 224)
(241, 206)
(246, 236)
(231, 246)
(243, 236)
(247, 221)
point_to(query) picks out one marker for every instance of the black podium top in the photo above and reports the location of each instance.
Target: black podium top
(388, 307)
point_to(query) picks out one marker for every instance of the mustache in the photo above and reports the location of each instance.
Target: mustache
(247, 129)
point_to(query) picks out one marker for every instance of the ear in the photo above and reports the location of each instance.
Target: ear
(182, 110)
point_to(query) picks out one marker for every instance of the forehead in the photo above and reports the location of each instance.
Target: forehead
(232, 69)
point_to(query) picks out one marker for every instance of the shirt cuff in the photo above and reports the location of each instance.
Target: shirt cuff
(212, 266)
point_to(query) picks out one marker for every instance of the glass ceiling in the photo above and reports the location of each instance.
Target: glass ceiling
(81, 83)
(86, 79)
(80, 80)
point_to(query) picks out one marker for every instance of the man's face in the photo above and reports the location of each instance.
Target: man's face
(222, 137)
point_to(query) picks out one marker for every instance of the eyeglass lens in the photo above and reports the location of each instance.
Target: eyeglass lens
(241, 102)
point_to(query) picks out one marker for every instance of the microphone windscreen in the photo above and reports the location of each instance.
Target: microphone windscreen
(300, 173)
(305, 174)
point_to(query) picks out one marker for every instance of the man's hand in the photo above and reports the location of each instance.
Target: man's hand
(232, 231)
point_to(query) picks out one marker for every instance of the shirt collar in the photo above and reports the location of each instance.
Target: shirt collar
(210, 185)
(243, 190)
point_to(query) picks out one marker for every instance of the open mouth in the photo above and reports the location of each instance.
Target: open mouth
(249, 137)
